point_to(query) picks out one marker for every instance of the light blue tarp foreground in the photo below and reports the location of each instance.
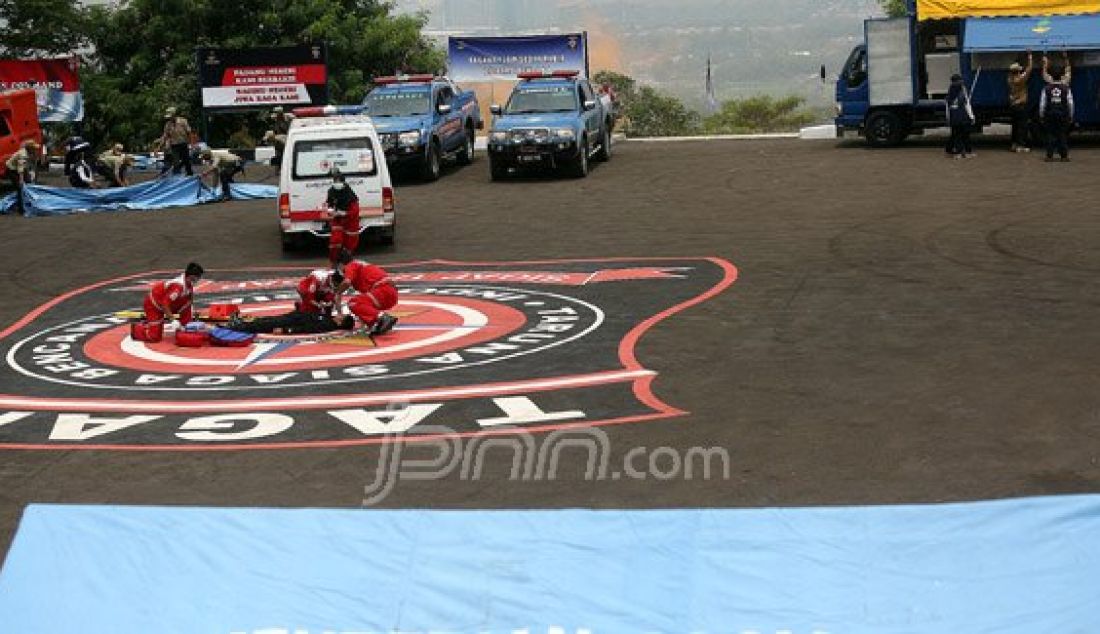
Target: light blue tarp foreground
(155, 194)
(1020, 566)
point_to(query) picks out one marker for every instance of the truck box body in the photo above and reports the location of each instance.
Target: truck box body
(893, 84)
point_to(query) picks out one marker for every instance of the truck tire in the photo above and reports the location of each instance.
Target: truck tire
(466, 154)
(604, 153)
(579, 166)
(884, 129)
(497, 171)
(429, 170)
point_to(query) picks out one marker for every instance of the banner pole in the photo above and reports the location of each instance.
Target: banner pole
(587, 72)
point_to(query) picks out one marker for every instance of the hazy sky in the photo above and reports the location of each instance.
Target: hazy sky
(756, 46)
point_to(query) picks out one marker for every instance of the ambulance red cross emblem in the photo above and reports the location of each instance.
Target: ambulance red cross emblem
(480, 346)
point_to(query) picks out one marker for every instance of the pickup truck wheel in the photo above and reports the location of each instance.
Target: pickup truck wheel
(579, 167)
(604, 153)
(429, 171)
(466, 154)
(885, 129)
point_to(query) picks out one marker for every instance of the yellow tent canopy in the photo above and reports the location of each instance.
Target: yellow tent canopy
(934, 9)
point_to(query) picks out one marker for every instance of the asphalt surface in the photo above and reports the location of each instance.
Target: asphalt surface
(905, 328)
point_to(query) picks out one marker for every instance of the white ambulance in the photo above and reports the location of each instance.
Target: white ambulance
(320, 139)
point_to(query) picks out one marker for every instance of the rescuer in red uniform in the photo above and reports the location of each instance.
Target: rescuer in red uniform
(375, 292)
(171, 299)
(342, 212)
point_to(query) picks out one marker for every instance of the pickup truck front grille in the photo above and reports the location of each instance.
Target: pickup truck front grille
(520, 135)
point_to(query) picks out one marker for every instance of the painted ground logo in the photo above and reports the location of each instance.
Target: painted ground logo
(479, 346)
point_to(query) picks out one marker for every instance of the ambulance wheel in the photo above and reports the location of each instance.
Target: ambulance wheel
(466, 154)
(289, 241)
(429, 171)
(388, 236)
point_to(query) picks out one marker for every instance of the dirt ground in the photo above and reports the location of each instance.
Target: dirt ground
(905, 328)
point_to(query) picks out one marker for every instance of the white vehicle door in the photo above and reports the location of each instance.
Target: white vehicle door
(312, 161)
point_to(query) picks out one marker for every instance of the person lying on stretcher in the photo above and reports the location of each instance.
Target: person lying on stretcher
(314, 312)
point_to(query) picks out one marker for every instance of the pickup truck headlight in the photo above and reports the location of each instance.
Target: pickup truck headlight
(409, 138)
(565, 133)
(498, 137)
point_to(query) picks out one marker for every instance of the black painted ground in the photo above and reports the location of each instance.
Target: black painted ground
(905, 328)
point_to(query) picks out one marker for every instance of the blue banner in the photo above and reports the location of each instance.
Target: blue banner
(502, 58)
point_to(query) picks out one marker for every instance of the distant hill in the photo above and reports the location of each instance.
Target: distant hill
(756, 46)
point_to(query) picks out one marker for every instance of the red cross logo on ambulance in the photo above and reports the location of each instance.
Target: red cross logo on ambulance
(475, 342)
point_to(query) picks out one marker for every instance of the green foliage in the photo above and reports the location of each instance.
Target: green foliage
(893, 8)
(41, 27)
(144, 58)
(759, 114)
(653, 113)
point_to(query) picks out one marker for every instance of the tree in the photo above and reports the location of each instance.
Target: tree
(38, 28)
(652, 113)
(758, 114)
(893, 8)
(144, 56)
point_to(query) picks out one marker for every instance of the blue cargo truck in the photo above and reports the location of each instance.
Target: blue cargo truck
(893, 84)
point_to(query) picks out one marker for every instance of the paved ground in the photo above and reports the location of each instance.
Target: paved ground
(905, 328)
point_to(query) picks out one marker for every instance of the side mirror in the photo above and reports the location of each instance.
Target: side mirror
(823, 72)
(495, 109)
(590, 105)
(443, 108)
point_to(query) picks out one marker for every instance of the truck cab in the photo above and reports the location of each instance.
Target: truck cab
(553, 119)
(422, 120)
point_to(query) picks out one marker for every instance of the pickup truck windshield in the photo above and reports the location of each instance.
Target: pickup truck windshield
(542, 99)
(398, 103)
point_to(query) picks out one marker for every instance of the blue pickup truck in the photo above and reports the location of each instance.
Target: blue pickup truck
(551, 120)
(422, 120)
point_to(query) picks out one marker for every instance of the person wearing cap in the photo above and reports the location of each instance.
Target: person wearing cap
(176, 141)
(1018, 77)
(113, 165)
(172, 299)
(342, 213)
(960, 115)
(20, 169)
(314, 312)
(226, 164)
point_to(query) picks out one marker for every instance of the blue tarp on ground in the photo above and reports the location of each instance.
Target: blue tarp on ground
(1016, 566)
(1070, 32)
(161, 193)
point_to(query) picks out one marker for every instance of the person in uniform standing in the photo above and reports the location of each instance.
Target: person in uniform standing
(176, 142)
(342, 213)
(1056, 111)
